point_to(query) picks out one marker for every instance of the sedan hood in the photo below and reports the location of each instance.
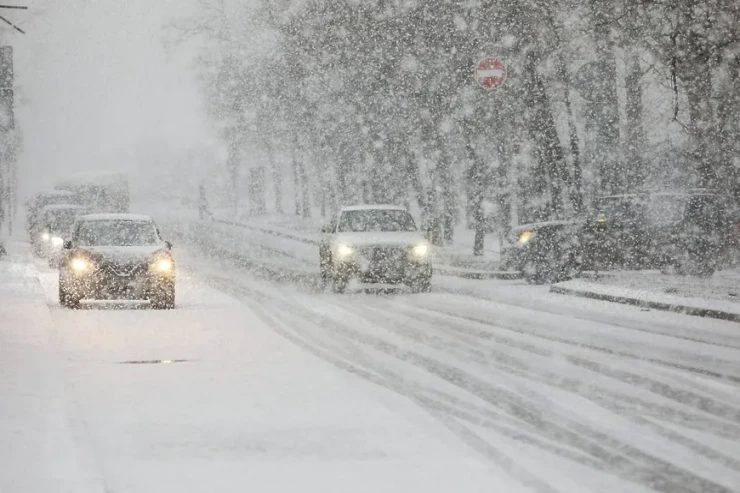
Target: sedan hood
(123, 255)
(381, 238)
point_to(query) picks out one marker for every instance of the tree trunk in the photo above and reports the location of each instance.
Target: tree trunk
(550, 172)
(446, 183)
(635, 167)
(699, 91)
(296, 184)
(305, 190)
(603, 109)
(277, 178)
(575, 180)
(476, 189)
(413, 174)
(729, 130)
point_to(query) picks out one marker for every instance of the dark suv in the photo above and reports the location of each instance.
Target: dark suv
(117, 256)
(692, 232)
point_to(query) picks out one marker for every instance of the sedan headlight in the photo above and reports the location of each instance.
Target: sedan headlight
(421, 250)
(57, 242)
(525, 236)
(163, 265)
(345, 251)
(80, 265)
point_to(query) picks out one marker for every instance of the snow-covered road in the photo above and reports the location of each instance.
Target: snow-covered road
(478, 386)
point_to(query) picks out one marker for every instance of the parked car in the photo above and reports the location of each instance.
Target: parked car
(691, 232)
(374, 244)
(546, 251)
(117, 256)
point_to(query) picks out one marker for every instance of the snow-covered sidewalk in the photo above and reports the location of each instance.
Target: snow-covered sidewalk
(40, 441)
(716, 297)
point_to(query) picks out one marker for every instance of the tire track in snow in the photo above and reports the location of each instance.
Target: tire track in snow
(649, 470)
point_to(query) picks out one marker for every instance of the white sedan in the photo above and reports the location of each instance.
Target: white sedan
(374, 244)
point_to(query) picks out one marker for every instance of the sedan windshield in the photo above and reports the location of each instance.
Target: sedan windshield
(117, 233)
(376, 220)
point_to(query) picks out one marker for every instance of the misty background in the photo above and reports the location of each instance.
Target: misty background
(299, 107)
(98, 89)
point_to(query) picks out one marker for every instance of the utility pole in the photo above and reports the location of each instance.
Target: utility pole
(8, 138)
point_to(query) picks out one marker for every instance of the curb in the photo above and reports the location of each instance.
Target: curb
(268, 231)
(657, 305)
(477, 275)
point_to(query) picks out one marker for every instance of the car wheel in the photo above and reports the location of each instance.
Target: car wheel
(68, 299)
(163, 297)
(422, 284)
(339, 283)
(702, 270)
(532, 272)
(325, 268)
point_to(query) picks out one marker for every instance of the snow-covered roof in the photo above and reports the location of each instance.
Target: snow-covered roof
(56, 193)
(115, 217)
(63, 207)
(372, 207)
(94, 177)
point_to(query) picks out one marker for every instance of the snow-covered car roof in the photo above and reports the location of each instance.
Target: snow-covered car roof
(115, 217)
(565, 222)
(372, 207)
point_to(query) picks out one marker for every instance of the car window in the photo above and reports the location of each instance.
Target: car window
(619, 209)
(116, 233)
(376, 220)
(704, 210)
(667, 208)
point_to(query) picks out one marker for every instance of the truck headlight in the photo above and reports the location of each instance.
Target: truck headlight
(421, 250)
(345, 251)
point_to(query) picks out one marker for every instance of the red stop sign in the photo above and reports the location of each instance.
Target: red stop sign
(490, 73)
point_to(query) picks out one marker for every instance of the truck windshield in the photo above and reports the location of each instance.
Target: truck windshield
(61, 221)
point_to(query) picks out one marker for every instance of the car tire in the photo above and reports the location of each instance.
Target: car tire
(163, 297)
(532, 273)
(325, 271)
(422, 284)
(339, 283)
(67, 299)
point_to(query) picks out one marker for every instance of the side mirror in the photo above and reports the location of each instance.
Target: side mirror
(168, 245)
(67, 245)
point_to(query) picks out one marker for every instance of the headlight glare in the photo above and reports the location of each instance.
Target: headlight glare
(56, 241)
(80, 265)
(345, 251)
(163, 265)
(525, 237)
(421, 250)
(45, 236)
